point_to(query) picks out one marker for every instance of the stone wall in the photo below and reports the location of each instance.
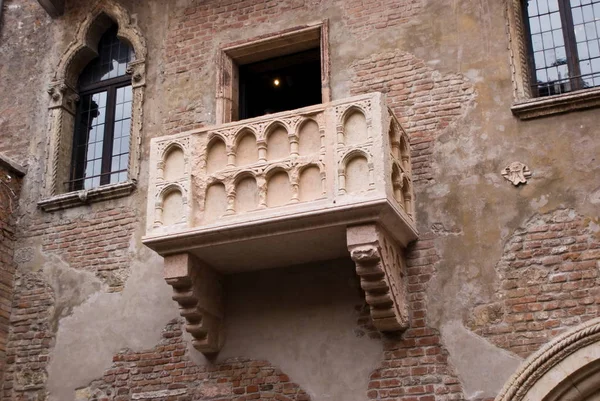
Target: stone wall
(498, 271)
(10, 188)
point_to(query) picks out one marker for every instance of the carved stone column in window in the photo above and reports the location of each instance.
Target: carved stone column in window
(63, 103)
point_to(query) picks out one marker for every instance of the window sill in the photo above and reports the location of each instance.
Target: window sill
(84, 197)
(541, 107)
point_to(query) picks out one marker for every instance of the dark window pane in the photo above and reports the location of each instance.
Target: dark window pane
(114, 55)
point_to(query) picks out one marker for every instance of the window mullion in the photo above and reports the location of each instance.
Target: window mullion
(76, 171)
(108, 134)
(570, 44)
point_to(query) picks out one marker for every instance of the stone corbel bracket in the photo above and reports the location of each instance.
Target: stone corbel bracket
(198, 290)
(379, 264)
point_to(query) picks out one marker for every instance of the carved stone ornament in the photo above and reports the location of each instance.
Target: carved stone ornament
(283, 180)
(517, 173)
(380, 268)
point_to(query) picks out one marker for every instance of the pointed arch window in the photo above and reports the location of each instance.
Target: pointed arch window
(101, 139)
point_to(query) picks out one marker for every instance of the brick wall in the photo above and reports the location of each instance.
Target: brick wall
(415, 366)
(548, 283)
(364, 16)
(30, 339)
(97, 241)
(425, 101)
(166, 373)
(10, 188)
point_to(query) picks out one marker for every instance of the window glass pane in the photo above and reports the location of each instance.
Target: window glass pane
(577, 16)
(590, 30)
(536, 42)
(548, 44)
(550, 57)
(588, 13)
(114, 55)
(114, 165)
(593, 48)
(586, 18)
(545, 23)
(555, 21)
(561, 56)
(88, 139)
(122, 125)
(547, 40)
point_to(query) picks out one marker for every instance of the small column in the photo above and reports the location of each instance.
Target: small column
(294, 145)
(262, 150)
(230, 157)
(230, 200)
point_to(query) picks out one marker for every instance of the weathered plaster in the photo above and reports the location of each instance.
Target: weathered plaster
(105, 323)
(302, 320)
(478, 362)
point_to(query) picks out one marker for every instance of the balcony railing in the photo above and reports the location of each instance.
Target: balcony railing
(317, 183)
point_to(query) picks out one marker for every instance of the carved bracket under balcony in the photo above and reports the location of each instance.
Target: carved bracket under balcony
(380, 266)
(199, 292)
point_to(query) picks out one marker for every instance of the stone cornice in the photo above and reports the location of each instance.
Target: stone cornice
(549, 105)
(84, 197)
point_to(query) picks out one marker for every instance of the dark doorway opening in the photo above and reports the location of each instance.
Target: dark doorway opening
(281, 83)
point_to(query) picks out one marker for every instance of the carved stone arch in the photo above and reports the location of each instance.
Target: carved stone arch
(343, 173)
(172, 146)
(564, 369)
(354, 136)
(159, 203)
(84, 47)
(166, 153)
(273, 125)
(354, 108)
(167, 189)
(216, 136)
(63, 99)
(243, 174)
(243, 131)
(275, 168)
(279, 148)
(299, 175)
(354, 153)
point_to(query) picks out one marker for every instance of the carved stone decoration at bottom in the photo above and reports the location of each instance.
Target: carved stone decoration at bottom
(380, 266)
(199, 293)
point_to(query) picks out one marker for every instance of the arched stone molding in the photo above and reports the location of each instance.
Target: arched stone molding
(342, 168)
(554, 370)
(63, 99)
(344, 112)
(159, 203)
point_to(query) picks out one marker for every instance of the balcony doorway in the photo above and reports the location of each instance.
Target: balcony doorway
(283, 71)
(281, 83)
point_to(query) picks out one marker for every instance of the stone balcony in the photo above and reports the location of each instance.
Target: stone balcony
(318, 183)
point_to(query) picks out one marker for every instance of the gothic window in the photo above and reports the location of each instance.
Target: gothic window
(101, 139)
(564, 51)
